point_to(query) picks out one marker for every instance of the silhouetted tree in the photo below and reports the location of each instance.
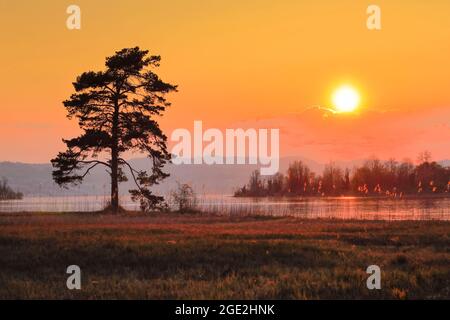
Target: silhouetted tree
(115, 108)
(298, 178)
(184, 198)
(255, 185)
(424, 156)
(406, 177)
(332, 179)
(7, 193)
(275, 184)
(373, 178)
(432, 177)
(347, 184)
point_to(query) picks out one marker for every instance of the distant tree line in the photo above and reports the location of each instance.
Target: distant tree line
(6, 193)
(373, 178)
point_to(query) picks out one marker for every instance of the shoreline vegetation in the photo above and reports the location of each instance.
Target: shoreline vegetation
(389, 179)
(7, 193)
(189, 256)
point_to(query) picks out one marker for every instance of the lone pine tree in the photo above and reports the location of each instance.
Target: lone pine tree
(115, 109)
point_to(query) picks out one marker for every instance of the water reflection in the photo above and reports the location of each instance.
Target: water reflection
(339, 208)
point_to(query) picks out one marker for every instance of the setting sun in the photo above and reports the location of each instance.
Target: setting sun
(345, 99)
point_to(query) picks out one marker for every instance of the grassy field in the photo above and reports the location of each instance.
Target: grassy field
(212, 257)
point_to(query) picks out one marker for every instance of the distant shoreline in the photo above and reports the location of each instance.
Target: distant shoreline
(371, 197)
(404, 197)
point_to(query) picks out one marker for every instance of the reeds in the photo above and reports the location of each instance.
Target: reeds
(368, 208)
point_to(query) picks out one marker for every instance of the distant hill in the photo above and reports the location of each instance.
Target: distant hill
(444, 163)
(36, 179)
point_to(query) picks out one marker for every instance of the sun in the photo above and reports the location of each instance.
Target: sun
(345, 99)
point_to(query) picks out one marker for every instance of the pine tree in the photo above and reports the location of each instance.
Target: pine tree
(116, 108)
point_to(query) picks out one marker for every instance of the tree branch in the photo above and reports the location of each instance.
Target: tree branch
(95, 161)
(89, 169)
(132, 170)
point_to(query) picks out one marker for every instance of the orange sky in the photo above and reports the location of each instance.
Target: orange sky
(240, 63)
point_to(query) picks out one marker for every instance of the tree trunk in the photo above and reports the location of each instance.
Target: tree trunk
(114, 182)
(115, 162)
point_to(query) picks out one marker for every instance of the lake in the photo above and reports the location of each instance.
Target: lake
(336, 207)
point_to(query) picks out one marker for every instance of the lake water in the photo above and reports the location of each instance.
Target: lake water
(339, 207)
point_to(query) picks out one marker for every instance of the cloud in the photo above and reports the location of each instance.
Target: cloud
(323, 135)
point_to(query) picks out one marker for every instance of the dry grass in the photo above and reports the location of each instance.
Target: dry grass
(212, 257)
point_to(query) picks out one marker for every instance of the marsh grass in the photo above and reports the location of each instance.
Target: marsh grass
(172, 256)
